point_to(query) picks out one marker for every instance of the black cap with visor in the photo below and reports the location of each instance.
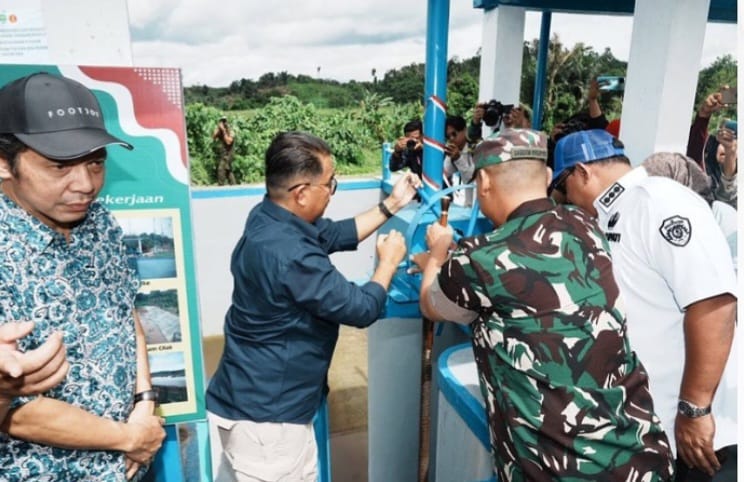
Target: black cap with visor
(57, 117)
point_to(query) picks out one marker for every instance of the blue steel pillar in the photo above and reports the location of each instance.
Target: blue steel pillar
(435, 93)
(542, 63)
(394, 363)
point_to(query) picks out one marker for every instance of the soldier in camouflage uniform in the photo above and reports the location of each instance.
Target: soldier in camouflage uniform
(226, 141)
(566, 398)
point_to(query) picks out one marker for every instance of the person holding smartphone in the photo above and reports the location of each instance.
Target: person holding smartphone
(723, 170)
(713, 103)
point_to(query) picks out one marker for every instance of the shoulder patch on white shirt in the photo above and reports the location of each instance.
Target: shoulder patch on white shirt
(677, 230)
(611, 195)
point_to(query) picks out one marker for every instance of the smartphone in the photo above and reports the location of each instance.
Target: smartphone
(611, 83)
(728, 95)
(732, 126)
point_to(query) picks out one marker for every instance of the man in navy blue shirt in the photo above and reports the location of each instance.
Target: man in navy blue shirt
(288, 302)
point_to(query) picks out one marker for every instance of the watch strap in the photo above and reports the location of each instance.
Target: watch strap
(384, 210)
(147, 395)
(690, 410)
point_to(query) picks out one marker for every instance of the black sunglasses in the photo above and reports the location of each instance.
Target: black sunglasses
(560, 183)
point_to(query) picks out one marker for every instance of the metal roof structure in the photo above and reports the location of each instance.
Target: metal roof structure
(720, 10)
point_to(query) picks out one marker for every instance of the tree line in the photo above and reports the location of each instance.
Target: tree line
(356, 116)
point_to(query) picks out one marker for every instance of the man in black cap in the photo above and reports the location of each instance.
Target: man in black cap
(64, 267)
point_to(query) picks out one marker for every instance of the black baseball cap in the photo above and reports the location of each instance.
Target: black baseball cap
(58, 117)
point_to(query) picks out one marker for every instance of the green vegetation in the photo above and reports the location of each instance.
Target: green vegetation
(356, 117)
(354, 134)
(721, 72)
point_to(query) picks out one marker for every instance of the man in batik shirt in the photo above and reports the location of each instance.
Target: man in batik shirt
(566, 399)
(64, 266)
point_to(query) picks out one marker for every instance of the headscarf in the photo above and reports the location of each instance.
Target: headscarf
(682, 169)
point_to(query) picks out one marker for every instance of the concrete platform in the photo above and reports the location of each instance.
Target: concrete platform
(349, 457)
(347, 407)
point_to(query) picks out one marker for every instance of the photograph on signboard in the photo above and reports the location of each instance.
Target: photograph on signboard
(168, 374)
(149, 242)
(159, 314)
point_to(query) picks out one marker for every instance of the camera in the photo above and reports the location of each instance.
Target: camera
(495, 112)
(411, 153)
(728, 95)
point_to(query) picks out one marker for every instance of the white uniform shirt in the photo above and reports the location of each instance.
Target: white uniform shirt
(465, 166)
(667, 253)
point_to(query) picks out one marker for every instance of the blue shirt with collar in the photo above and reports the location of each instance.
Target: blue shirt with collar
(281, 329)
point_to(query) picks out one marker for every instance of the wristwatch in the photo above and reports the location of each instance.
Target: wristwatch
(147, 395)
(384, 210)
(691, 410)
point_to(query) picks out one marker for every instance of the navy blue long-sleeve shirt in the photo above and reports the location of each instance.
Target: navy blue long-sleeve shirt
(282, 327)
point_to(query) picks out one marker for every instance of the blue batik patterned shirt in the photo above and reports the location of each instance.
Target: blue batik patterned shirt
(85, 289)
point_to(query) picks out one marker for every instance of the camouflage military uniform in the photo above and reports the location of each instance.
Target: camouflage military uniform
(565, 396)
(224, 152)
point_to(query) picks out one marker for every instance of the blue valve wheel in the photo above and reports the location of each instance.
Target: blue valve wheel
(431, 204)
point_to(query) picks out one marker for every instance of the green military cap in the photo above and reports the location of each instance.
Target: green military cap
(510, 145)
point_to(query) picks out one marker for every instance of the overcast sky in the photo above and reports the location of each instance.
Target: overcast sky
(217, 41)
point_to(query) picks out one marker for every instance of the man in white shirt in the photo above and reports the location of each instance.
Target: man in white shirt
(458, 157)
(675, 271)
(458, 160)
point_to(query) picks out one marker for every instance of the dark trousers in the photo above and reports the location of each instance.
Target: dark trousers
(224, 170)
(727, 458)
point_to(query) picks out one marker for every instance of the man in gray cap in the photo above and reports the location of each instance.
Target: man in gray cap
(565, 396)
(674, 268)
(64, 267)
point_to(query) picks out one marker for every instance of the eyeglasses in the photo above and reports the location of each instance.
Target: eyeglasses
(560, 183)
(331, 185)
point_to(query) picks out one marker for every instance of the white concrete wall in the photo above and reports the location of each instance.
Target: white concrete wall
(665, 52)
(88, 32)
(218, 224)
(501, 56)
(83, 32)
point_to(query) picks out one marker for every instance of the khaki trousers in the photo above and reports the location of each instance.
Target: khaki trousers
(245, 451)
